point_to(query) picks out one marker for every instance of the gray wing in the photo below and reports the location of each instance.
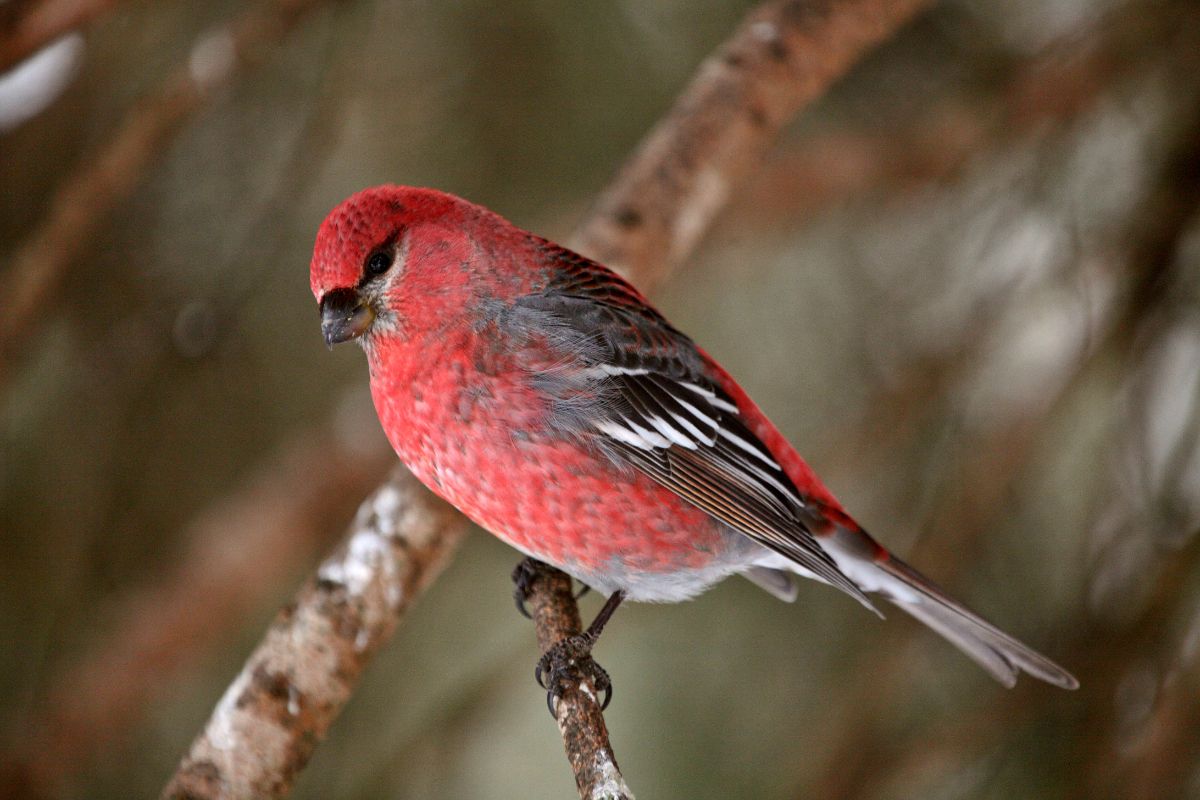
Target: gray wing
(639, 390)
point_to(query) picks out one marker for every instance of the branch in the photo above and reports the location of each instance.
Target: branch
(863, 750)
(30, 26)
(238, 549)
(577, 709)
(293, 686)
(782, 57)
(82, 204)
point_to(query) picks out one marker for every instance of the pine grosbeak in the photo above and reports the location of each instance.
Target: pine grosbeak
(542, 395)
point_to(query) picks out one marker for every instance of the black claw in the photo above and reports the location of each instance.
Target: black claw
(583, 589)
(571, 660)
(523, 576)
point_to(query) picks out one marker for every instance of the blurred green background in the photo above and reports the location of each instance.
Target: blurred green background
(964, 284)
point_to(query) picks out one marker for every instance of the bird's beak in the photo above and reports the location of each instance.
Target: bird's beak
(344, 316)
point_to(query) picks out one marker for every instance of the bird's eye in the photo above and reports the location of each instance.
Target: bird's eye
(379, 262)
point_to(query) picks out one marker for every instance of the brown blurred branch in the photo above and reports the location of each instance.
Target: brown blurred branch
(1065, 81)
(286, 514)
(1157, 226)
(82, 204)
(293, 686)
(784, 56)
(27, 26)
(240, 547)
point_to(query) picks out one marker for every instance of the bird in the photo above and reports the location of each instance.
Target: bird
(542, 395)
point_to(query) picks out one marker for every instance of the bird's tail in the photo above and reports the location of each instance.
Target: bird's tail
(991, 648)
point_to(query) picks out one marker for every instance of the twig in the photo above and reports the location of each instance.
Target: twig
(29, 25)
(577, 708)
(782, 57)
(295, 683)
(80, 207)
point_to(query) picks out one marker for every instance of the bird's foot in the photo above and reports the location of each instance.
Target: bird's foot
(524, 574)
(570, 661)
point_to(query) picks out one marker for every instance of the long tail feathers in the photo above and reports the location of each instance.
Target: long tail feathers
(1000, 654)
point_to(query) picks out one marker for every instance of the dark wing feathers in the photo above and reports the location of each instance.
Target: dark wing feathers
(651, 404)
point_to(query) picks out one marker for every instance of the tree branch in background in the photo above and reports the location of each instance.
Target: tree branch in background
(288, 513)
(81, 205)
(237, 549)
(785, 55)
(279, 708)
(27, 26)
(863, 749)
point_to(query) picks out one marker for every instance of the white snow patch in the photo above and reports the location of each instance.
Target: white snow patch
(385, 505)
(28, 88)
(612, 784)
(221, 734)
(367, 555)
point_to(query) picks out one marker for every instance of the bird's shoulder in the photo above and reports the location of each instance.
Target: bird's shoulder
(602, 317)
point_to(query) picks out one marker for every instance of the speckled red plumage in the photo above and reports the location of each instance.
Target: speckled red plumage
(545, 398)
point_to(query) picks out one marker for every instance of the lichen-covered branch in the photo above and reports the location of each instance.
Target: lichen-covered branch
(293, 686)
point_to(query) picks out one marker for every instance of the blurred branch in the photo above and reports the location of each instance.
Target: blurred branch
(784, 56)
(1065, 81)
(1090, 649)
(82, 204)
(27, 26)
(1157, 226)
(293, 686)
(238, 549)
(238, 552)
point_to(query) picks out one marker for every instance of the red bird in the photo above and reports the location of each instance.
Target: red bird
(544, 396)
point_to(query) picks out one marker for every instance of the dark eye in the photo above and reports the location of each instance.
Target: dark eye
(379, 262)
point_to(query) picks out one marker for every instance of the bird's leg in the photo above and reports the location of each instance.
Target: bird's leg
(572, 658)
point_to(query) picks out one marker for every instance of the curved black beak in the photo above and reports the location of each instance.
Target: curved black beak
(344, 316)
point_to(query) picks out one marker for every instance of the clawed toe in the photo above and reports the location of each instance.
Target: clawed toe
(570, 661)
(523, 576)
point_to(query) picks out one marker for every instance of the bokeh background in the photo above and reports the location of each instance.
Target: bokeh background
(965, 284)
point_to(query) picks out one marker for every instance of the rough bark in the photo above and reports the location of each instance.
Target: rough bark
(293, 686)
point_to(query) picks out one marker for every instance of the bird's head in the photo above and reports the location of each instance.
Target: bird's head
(391, 253)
